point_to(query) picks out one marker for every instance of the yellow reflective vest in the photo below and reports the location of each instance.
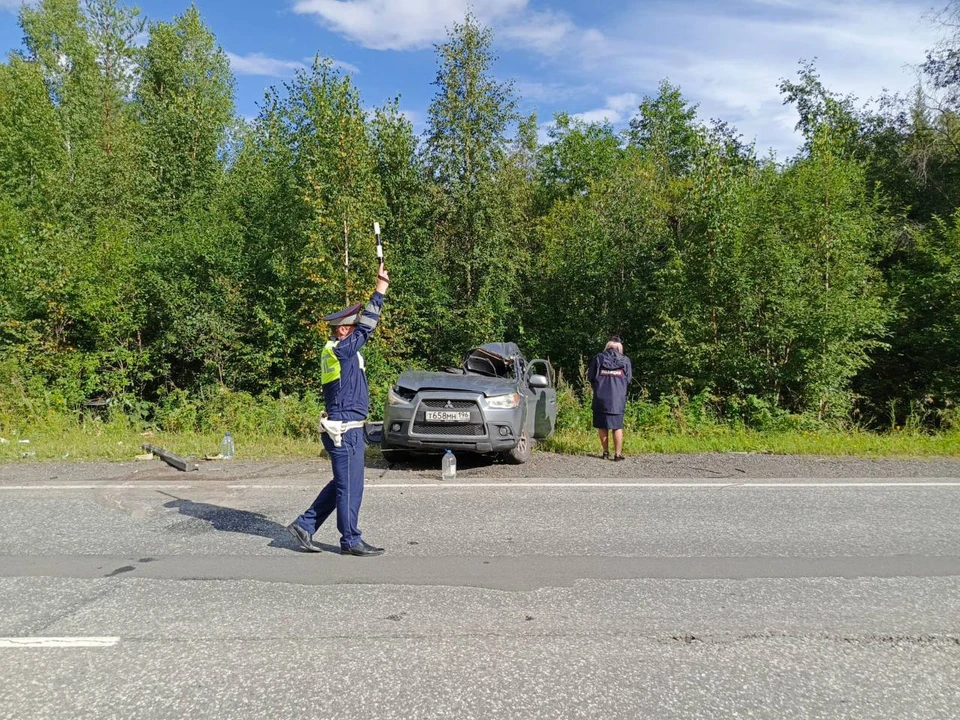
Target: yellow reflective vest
(330, 364)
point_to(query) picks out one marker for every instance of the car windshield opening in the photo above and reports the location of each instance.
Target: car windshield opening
(484, 362)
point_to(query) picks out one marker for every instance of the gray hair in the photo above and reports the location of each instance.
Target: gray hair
(615, 346)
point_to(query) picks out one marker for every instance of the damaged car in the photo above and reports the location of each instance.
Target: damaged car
(495, 402)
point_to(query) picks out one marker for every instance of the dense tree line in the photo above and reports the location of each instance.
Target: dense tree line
(154, 246)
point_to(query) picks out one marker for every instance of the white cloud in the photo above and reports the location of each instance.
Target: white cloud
(544, 32)
(543, 132)
(14, 5)
(260, 64)
(617, 109)
(401, 24)
(730, 57)
(549, 92)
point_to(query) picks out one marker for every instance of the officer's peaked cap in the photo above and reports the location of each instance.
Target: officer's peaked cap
(347, 316)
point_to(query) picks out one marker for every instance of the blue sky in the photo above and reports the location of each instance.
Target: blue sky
(593, 59)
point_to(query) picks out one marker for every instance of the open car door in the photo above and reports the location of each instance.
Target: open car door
(540, 380)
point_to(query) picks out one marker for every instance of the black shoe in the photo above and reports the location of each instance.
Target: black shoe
(362, 549)
(303, 539)
(618, 458)
(605, 456)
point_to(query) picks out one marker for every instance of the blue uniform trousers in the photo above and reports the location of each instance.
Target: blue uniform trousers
(344, 492)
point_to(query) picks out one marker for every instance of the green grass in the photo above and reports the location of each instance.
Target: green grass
(118, 441)
(795, 442)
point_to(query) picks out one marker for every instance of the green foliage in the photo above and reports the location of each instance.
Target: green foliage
(30, 165)
(219, 410)
(342, 190)
(920, 369)
(161, 255)
(185, 106)
(578, 153)
(666, 130)
(466, 149)
(820, 108)
(419, 295)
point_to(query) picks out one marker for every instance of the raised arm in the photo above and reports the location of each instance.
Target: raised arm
(368, 320)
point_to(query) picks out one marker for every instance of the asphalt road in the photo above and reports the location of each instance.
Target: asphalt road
(628, 590)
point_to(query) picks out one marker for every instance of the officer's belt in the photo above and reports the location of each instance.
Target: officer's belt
(336, 428)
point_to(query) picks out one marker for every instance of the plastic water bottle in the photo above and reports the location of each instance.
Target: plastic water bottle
(449, 465)
(227, 449)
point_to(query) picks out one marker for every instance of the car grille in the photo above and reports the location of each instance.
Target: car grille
(444, 429)
(468, 429)
(440, 404)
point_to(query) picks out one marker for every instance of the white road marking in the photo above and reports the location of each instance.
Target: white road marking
(101, 486)
(733, 486)
(373, 485)
(774, 484)
(58, 642)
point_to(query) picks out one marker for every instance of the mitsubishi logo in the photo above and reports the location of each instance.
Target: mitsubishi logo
(449, 405)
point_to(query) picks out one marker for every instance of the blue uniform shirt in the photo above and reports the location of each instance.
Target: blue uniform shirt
(347, 397)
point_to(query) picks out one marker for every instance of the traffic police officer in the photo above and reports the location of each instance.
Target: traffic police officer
(347, 399)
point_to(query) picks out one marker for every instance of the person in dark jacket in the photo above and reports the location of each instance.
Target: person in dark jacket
(347, 400)
(609, 374)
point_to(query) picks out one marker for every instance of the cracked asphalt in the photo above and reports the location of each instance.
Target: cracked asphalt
(710, 586)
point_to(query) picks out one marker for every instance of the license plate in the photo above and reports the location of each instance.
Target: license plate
(447, 416)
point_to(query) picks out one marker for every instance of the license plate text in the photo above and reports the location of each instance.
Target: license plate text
(447, 416)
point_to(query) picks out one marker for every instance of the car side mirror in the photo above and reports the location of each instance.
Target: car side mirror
(539, 381)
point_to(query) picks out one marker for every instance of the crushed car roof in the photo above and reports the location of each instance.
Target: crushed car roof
(504, 350)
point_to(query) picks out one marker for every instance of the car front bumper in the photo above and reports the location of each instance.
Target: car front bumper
(487, 430)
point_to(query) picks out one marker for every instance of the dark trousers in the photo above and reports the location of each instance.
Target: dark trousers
(344, 492)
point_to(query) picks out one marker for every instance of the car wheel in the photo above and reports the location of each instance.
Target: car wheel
(521, 453)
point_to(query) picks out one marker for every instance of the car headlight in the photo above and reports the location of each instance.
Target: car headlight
(393, 398)
(503, 402)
